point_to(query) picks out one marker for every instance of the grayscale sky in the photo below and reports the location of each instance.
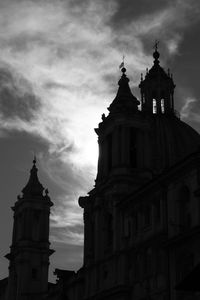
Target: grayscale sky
(59, 67)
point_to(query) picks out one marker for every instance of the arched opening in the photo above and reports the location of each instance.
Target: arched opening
(132, 147)
(147, 216)
(184, 208)
(36, 224)
(154, 106)
(184, 264)
(147, 261)
(109, 229)
(109, 153)
(120, 144)
(162, 106)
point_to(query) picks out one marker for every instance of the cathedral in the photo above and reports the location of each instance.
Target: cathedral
(141, 219)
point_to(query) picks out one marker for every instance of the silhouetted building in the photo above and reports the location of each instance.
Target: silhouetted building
(141, 220)
(29, 252)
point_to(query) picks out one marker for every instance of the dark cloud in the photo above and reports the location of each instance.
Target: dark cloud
(25, 41)
(51, 85)
(186, 65)
(16, 97)
(128, 11)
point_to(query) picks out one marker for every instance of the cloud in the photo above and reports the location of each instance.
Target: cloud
(60, 70)
(190, 112)
(186, 109)
(168, 21)
(70, 256)
(67, 235)
(173, 44)
(71, 182)
(16, 97)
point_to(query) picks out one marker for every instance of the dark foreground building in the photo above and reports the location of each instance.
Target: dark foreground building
(141, 220)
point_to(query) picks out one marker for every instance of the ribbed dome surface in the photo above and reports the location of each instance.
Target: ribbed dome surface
(172, 140)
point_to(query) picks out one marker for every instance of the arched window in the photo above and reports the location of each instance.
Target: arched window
(109, 147)
(109, 229)
(127, 227)
(184, 264)
(184, 208)
(147, 261)
(34, 273)
(135, 223)
(154, 106)
(162, 106)
(132, 147)
(157, 209)
(160, 261)
(147, 217)
(36, 218)
(120, 143)
(20, 226)
(137, 263)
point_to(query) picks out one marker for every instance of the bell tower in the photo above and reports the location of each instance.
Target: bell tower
(121, 169)
(118, 135)
(157, 89)
(29, 254)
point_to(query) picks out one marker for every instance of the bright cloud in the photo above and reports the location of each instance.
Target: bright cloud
(186, 109)
(190, 111)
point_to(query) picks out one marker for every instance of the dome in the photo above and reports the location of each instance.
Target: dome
(172, 141)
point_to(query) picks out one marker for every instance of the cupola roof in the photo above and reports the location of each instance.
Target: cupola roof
(124, 100)
(33, 187)
(156, 70)
(171, 141)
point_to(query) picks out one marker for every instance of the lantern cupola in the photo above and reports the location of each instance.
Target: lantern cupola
(157, 89)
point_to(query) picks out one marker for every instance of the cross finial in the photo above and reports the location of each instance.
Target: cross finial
(34, 160)
(155, 46)
(121, 66)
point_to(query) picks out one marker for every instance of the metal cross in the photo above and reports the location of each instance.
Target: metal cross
(156, 45)
(123, 57)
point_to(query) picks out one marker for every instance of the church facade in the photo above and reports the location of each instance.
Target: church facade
(141, 220)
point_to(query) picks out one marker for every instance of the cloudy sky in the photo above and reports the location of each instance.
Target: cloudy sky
(58, 73)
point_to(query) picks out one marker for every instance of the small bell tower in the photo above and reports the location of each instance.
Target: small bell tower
(121, 169)
(118, 134)
(29, 254)
(157, 89)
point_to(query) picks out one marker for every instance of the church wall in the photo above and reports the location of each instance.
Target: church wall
(147, 239)
(154, 230)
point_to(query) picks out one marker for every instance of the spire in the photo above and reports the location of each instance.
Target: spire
(156, 54)
(33, 187)
(124, 99)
